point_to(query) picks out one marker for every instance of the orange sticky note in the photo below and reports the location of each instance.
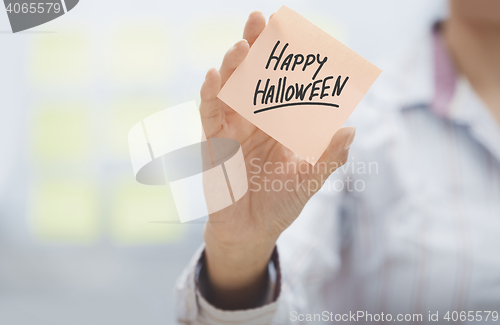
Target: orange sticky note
(298, 84)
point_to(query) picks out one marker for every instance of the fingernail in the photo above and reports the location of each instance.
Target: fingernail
(255, 12)
(240, 41)
(208, 72)
(350, 138)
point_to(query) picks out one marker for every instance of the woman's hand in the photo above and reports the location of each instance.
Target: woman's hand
(240, 238)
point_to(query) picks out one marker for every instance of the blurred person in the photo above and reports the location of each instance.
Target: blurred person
(419, 240)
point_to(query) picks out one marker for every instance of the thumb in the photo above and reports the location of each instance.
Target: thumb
(336, 153)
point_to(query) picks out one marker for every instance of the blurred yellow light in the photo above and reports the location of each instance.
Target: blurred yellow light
(66, 211)
(144, 215)
(61, 131)
(60, 58)
(125, 113)
(140, 53)
(210, 39)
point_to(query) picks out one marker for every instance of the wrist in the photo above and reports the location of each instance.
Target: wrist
(238, 265)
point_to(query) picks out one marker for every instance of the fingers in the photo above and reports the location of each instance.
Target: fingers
(338, 150)
(210, 107)
(232, 59)
(254, 26)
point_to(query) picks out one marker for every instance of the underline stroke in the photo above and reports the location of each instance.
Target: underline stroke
(293, 104)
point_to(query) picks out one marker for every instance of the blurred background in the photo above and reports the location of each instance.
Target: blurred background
(80, 241)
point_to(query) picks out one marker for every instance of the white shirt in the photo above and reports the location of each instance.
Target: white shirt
(421, 232)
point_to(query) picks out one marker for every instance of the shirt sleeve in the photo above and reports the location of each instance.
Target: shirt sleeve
(193, 308)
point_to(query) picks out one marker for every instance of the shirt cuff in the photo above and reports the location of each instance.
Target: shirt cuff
(258, 316)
